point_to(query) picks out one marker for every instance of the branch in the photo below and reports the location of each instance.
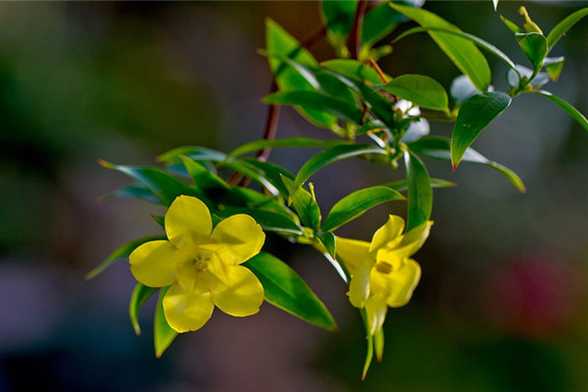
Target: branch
(354, 40)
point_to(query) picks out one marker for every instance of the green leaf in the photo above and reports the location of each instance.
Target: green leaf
(420, 192)
(332, 155)
(439, 148)
(136, 191)
(475, 114)
(512, 26)
(470, 37)
(280, 43)
(357, 203)
(304, 203)
(562, 27)
(269, 220)
(286, 290)
(338, 16)
(534, 45)
(378, 23)
(121, 252)
(554, 66)
(317, 101)
(328, 241)
(163, 334)
(141, 294)
(161, 184)
(353, 69)
(272, 172)
(287, 142)
(574, 113)
(402, 185)
(203, 178)
(421, 90)
(252, 172)
(193, 152)
(464, 54)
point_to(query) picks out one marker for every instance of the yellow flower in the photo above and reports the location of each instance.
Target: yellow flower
(382, 274)
(201, 265)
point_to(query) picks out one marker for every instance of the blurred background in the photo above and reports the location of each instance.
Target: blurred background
(501, 305)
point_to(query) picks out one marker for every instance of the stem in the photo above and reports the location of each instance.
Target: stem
(354, 40)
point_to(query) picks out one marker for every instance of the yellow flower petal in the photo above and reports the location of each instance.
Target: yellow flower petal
(187, 310)
(352, 252)
(401, 283)
(187, 221)
(355, 254)
(376, 314)
(413, 240)
(238, 238)
(388, 233)
(240, 293)
(154, 263)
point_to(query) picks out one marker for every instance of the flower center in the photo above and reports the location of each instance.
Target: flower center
(384, 268)
(200, 261)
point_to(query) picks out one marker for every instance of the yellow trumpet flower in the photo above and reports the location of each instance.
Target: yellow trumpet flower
(382, 273)
(201, 264)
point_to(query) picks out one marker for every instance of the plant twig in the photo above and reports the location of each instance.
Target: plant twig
(354, 39)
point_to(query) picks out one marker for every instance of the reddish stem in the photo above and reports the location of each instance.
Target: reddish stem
(354, 40)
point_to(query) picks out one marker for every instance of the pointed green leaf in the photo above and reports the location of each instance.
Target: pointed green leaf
(438, 147)
(378, 23)
(332, 155)
(419, 89)
(272, 172)
(475, 114)
(357, 203)
(402, 185)
(562, 27)
(338, 16)
(287, 142)
(462, 52)
(252, 172)
(136, 191)
(193, 152)
(280, 43)
(141, 294)
(512, 26)
(202, 177)
(328, 241)
(488, 47)
(163, 185)
(420, 192)
(163, 334)
(574, 113)
(286, 290)
(317, 101)
(353, 69)
(534, 46)
(122, 251)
